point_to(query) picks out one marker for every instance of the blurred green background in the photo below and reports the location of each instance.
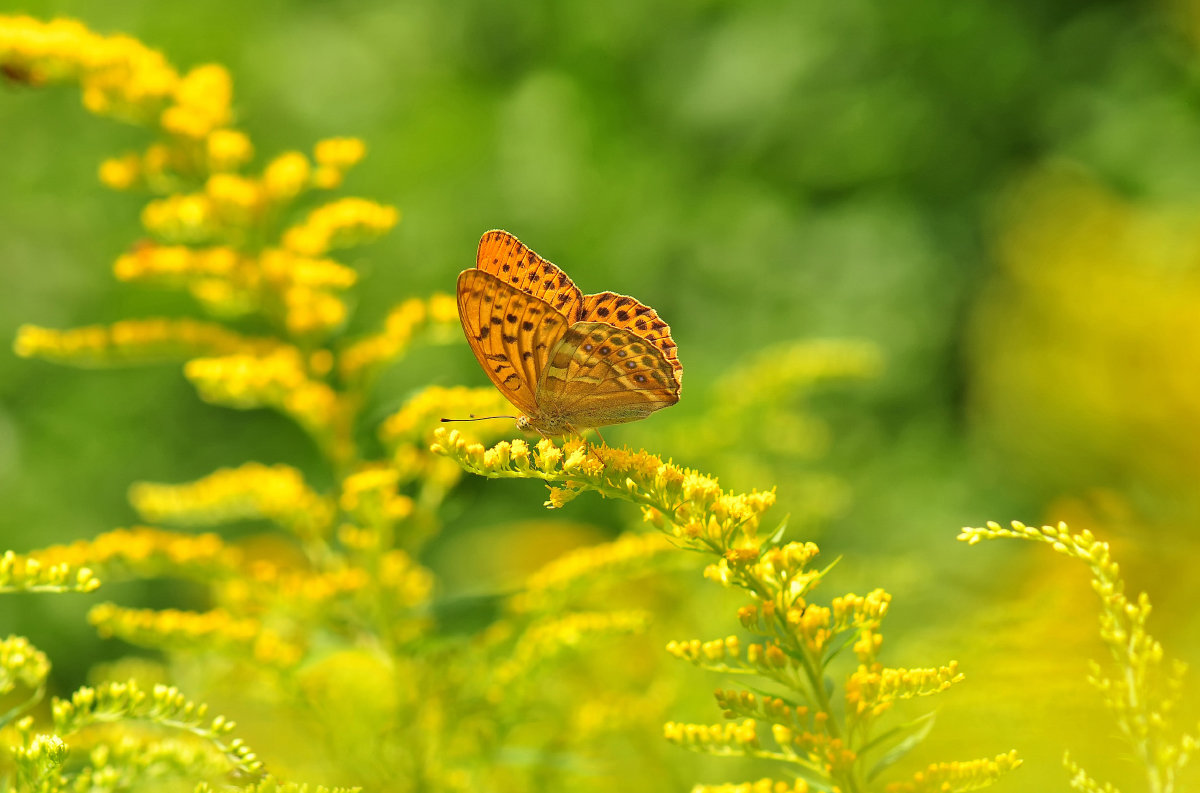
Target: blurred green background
(1003, 196)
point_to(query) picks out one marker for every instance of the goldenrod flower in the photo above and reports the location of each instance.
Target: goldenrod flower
(968, 775)
(278, 380)
(286, 176)
(121, 173)
(251, 491)
(227, 150)
(162, 705)
(620, 560)
(340, 224)
(202, 102)
(145, 552)
(188, 218)
(700, 513)
(1142, 690)
(133, 341)
(233, 200)
(195, 632)
(38, 574)
(21, 664)
(764, 785)
(365, 357)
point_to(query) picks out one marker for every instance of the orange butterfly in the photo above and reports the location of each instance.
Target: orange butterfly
(566, 360)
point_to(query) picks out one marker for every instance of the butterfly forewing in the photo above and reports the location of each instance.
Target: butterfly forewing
(599, 374)
(511, 333)
(507, 258)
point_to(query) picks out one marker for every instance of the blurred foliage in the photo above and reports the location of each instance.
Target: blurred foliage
(1000, 196)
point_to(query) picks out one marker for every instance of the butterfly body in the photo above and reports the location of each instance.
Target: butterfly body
(567, 361)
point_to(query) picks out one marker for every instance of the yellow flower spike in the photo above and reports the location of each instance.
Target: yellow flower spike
(443, 309)
(286, 176)
(133, 341)
(202, 102)
(410, 583)
(278, 380)
(227, 150)
(339, 153)
(311, 312)
(623, 559)
(181, 218)
(968, 775)
(334, 157)
(234, 199)
(34, 574)
(344, 223)
(195, 631)
(175, 264)
(251, 491)
(144, 552)
(121, 173)
(1140, 688)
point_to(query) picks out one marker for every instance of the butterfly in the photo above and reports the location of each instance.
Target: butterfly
(566, 360)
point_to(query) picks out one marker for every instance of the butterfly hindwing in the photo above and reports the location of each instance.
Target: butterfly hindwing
(511, 333)
(598, 374)
(626, 312)
(507, 258)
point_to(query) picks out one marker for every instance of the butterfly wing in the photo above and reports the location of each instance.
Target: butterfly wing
(507, 258)
(625, 312)
(599, 374)
(511, 333)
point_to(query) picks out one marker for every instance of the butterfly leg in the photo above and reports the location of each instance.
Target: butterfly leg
(598, 435)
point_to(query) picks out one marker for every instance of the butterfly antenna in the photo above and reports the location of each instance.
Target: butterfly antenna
(473, 417)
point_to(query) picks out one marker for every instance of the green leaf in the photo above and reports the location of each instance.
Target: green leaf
(778, 533)
(903, 739)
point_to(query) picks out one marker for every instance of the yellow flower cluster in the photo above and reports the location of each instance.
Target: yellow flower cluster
(371, 496)
(196, 632)
(1099, 287)
(21, 664)
(626, 557)
(1144, 688)
(37, 574)
(147, 552)
(416, 421)
(119, 76)
(771, 709)
(731, 738)
(759, 786)
(688, 505)
(37, 756)
(406, 582)
(272, 785)
(549, 637)
(251, 491)
(875, 688)
(366, 356)
(109, 763)
(231, 213)
(133, 341)
(163, 705)
(968, 775)
(265, 585)
(344, 223)
(279, 380)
